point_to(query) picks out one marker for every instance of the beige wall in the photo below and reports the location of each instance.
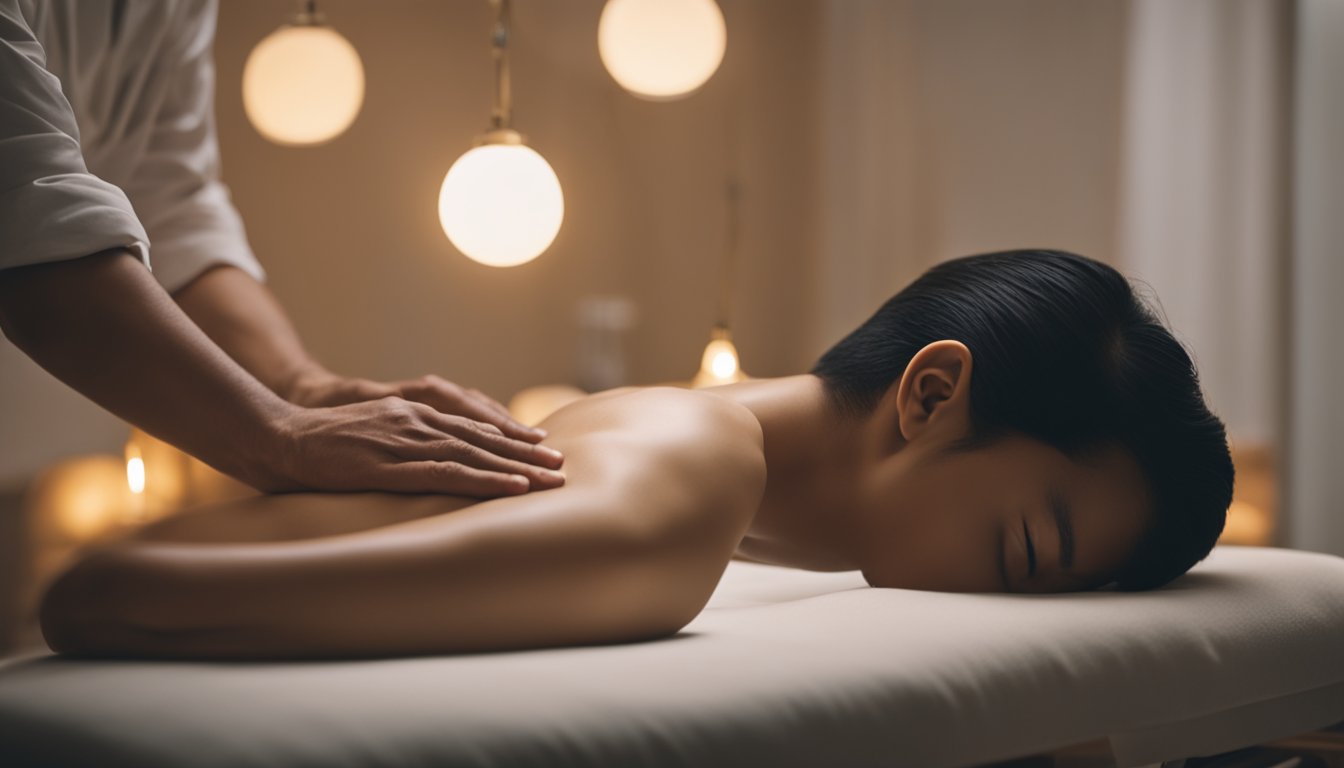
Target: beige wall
(954, 127)
(996, 122)
(350, 235)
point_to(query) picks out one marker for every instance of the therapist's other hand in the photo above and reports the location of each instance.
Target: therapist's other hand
(324, 389)
(393, 444)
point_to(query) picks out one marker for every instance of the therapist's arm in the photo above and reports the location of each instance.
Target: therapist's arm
(103, 325)
(243, 317)
(202, 257)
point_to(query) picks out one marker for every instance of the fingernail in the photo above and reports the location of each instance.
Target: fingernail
(539, 432)
(520, 481)
(554, 454)
(551, 474)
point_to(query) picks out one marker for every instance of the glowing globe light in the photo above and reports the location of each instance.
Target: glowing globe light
(303, 84)
(501, 203)
(661, 49)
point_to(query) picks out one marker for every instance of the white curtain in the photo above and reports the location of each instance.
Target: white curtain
(1202, 187)
(1315, 468)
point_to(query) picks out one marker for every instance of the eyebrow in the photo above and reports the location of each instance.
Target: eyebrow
(1059, 509)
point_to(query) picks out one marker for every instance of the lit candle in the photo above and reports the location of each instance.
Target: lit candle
(135, 480)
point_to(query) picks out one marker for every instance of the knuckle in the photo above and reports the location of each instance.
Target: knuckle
(421, 433)
(451, 470)
(458, 425)
(402, 414)
(454, 445)
(481, 427)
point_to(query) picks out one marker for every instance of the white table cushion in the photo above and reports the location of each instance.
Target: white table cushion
(783, 668)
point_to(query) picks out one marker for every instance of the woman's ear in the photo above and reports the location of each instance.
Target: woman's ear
(934, 393)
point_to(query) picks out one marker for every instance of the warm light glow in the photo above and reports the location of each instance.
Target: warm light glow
(135, 469)
(532, 405)
(1246, 524)
(80, 499)
(661, 49)
(501, 204)
(724, 363)
(303, 85)
(719, 364)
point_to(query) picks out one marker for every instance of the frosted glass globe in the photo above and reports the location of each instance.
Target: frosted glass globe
(661, 49)
(303, 85)
(501, 204)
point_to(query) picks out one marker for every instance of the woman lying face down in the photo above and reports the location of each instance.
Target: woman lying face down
(1015, 421)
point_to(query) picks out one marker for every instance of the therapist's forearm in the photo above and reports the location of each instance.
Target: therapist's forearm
(244, 318)
(104, 326)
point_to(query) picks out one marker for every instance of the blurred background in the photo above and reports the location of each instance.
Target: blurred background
(1193, 145)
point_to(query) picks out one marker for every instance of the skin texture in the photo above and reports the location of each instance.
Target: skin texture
(630, 549)
(276, 420)
(665, 486)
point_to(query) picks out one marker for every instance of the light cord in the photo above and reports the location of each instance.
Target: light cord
(501, 114)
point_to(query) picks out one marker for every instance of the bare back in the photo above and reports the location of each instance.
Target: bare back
(662, 486)
(639, 437)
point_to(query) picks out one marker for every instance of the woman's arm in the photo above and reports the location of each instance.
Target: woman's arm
(632, 551)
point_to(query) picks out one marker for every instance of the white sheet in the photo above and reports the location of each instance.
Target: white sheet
(784, 668)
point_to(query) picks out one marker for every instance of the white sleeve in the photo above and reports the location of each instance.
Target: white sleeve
(176, 189)
(51, 207)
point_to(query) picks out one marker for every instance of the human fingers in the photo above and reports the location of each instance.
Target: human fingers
(490, 438)
(450, 398)
(453, 478)
(487, 401)
(459, 451)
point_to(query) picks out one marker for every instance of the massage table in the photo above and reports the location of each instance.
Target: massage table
(783, 668)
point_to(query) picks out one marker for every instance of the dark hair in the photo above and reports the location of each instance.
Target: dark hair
(1065, 352)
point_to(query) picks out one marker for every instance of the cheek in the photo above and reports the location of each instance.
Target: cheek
(933, 529)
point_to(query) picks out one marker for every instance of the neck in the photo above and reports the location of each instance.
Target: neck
(814, 460)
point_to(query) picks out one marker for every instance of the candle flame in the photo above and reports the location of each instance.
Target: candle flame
(135, 469)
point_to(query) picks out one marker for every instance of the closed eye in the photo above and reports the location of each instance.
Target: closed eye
(1031, 551)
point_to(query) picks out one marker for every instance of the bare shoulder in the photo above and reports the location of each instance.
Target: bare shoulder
(667, 417)
(694, 447)
(646, 406)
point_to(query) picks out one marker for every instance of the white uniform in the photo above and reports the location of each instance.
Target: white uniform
(107, 136)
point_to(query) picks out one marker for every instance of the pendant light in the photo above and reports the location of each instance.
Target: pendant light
(661, 49)
(720, 363)
(500, 203)
(303, 84)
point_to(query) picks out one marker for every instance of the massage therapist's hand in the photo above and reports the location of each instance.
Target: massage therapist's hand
(393, 444)
(323, 388)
